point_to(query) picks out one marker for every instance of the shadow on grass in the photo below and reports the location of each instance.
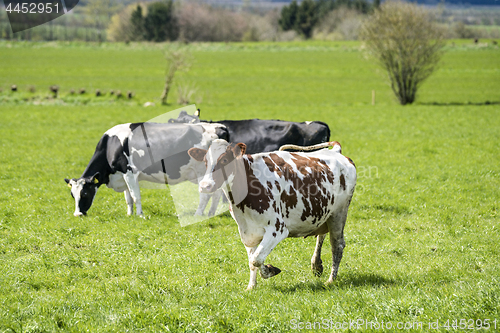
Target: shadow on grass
(386, 208)
(342, 282)
(462, 103)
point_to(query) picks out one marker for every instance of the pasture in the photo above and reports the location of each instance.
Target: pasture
(421, 235)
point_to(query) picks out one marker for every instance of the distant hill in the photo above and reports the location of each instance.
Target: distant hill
(430, 2)
(462, 2)
(237, 3)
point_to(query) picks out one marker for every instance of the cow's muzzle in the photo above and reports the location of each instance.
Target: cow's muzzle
(207, 187)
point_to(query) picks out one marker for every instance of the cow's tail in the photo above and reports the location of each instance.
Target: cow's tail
(336, 147)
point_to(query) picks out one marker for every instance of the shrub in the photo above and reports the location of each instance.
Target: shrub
(463, 31)
(178, 59)
(407, 43)
(185, 92)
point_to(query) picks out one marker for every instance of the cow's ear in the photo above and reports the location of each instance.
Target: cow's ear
(197, 113)
(197, 153)
(239, 149)
(95, 179)
(67, 182)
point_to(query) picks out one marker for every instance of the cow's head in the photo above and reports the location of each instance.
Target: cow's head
(83, 190)
(185, 118)
(221, 160)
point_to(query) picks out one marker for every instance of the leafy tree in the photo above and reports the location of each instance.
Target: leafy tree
(406, 43)
(288, 17)
(122, 29)
(160, 23)
(306, 18)
(137, 23)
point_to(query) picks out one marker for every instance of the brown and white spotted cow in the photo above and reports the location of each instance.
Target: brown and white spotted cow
(280, 194)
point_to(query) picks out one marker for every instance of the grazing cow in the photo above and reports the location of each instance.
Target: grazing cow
(154, 152)
(282, 194)
(261, 136)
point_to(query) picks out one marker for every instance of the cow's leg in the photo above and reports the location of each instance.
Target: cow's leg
(316, 263)
(204, 198)
(253, 270)
(130, 202)
(266, 271)
(135, 192)
(215, 202)
(269, 241)
(336, 228)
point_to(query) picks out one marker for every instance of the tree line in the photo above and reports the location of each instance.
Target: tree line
(165, 20)
(159, 21)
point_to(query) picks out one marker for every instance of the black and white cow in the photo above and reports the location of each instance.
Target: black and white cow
(282, 194)
(153, 152)
(261, 135)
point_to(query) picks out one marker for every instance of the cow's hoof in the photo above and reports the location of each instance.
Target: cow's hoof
(249, 288)
(268, 271)
(317, 269)
(330, 281)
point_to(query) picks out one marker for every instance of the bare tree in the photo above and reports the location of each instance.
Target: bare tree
(199, 22)
(406, 42)
(178, 59)
(342, 24)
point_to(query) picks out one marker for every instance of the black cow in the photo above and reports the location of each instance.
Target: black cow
(267, 135)
(151, 152)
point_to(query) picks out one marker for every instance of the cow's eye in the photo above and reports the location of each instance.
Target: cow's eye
(224, 161)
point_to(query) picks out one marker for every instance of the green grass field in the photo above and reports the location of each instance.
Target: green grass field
(422, 233)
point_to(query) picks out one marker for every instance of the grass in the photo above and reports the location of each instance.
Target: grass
(422, 232)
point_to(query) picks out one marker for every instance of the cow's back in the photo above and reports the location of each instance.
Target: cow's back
(162, 148)
(269, 135)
